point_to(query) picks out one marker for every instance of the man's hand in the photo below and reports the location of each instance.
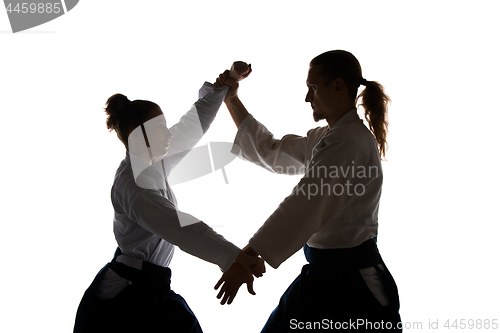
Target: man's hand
(252, 263)
(231, 282)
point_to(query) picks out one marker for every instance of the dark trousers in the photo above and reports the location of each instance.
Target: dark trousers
(331, 294)
(146, 305)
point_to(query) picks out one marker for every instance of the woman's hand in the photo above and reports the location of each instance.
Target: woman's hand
(240, 70)
(231, 282)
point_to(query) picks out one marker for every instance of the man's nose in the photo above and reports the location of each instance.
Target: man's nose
(308, 97)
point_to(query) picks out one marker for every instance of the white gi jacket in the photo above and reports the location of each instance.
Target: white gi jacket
(146, 222)
(335, 205)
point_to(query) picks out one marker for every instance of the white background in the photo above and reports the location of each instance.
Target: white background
(438, 219)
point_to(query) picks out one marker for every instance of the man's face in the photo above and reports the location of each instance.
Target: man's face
(319, 95)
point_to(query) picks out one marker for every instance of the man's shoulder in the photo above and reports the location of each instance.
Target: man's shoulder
(319, 132)
(352, 129)
(352, 136)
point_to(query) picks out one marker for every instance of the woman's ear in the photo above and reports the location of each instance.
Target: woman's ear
(136, 139)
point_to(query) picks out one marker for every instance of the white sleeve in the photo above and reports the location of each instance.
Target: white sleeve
(193, 125)
(256, 144)
(159, 216)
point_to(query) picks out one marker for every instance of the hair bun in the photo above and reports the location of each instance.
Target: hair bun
(114, 109)
(116, 103)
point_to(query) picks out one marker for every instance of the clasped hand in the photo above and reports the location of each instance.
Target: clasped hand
(241, 271)
(239, 71)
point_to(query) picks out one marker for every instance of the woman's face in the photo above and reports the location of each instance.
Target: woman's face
(157, 134)
(153, 133)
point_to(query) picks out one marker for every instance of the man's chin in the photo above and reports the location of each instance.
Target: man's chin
(317, 117)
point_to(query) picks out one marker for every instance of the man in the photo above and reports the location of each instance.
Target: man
(332, 212)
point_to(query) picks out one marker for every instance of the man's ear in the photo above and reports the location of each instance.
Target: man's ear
(338, 86)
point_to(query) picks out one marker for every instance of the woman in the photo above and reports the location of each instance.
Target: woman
(132, 292)
(332, 212)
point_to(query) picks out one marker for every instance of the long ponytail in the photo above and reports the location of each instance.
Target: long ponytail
(375, 102)
(343, 64)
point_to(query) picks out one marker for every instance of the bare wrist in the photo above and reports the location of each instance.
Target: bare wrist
(231, 99)
(250, 251)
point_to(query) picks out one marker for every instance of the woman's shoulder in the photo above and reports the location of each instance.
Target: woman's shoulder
(125, 189)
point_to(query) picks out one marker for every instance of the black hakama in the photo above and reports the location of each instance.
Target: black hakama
(331, 294)
(146, 305)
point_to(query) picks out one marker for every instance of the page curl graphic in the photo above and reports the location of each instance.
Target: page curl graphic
(26, 14)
